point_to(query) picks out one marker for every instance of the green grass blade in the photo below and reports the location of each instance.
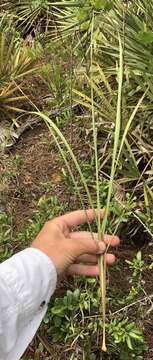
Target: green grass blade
(116, 136)
(54, 129)
(129, 124)
(94, 129)
(102, 261)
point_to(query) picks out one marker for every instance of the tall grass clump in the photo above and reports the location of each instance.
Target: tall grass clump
(119, 138)
(59, 138)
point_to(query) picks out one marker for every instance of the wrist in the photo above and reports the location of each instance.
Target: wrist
(56, 256)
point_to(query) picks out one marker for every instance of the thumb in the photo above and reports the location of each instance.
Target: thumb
(86, 243)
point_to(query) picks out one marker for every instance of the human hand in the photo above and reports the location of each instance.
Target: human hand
(75, 252)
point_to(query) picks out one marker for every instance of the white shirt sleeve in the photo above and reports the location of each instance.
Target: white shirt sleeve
(27, 281)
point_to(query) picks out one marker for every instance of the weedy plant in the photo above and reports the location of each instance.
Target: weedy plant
(74, 319)
(6, 236)
(56, 83)
(10, 241)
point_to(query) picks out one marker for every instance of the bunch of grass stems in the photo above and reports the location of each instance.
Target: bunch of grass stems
(57, 134)
(65, 148)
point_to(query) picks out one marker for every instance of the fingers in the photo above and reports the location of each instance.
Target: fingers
(87, 259)
(93, 259)
(112, 240)
(110, 259)
(83, 270)
(86, 243)
(78, 217)
(89, 270)
(85, 235)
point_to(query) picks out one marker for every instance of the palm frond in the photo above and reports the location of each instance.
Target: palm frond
(15, 64)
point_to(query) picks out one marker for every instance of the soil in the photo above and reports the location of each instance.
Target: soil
(28, 182)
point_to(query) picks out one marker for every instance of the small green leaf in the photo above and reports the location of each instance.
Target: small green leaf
(102, 4)
(136, 336)
(57, 321)
(46, 319)
(139, 256)
(129, 343)
(146, 37)
(91, 280)
(76, 294)
(58, 310)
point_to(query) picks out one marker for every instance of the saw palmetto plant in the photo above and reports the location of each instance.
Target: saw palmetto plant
(133, 22)
(15, 64)
(26, 14)
(54, 17)
(137, 35)
(34, 16)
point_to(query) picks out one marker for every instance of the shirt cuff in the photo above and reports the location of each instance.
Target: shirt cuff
(27, 281)
(31, 277)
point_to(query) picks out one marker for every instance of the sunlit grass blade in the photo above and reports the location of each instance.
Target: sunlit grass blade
(94, 128)
(129, 124)
(61, 151)
(102, 261)
(54, 130)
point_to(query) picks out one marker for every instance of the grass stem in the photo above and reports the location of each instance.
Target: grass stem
(102, 262)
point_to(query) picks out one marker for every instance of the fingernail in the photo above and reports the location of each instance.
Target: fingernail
(102, 247)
